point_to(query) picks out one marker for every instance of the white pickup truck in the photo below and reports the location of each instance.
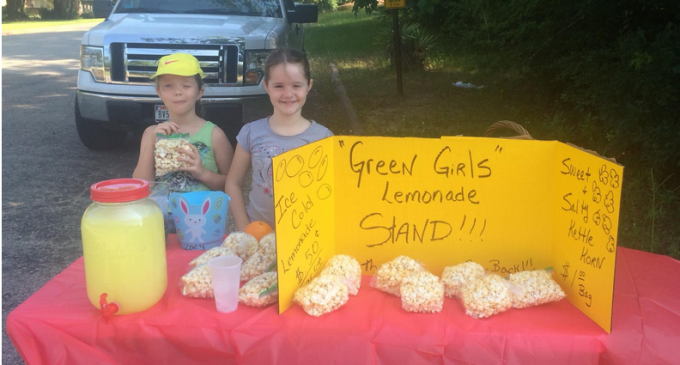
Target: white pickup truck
(230, 38)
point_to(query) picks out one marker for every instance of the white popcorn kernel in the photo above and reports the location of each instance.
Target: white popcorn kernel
(211, 254)
(487, 296)
(242, 244)
(197, 283)
(346, 267)
(422, 292)
(456, 277)
(533, 288)
(167, 151)
(389, 275)
(249, 294)
(322, 295)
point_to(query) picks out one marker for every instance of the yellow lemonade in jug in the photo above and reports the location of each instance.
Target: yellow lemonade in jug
(124, 253)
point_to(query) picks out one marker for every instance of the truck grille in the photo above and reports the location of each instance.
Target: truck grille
(137, 62)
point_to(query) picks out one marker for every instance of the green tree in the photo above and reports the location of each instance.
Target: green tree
(66, 9)
(15, 9)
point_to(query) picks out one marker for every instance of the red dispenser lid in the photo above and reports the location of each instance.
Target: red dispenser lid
(119, 190)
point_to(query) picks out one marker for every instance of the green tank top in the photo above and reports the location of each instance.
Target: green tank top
(182, 181)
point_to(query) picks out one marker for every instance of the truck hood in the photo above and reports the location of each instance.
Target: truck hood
(156, 27)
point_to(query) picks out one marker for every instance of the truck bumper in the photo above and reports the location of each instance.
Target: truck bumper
(125, 112)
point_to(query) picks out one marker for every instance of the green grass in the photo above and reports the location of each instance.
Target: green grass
(35, 24)
(433, 107)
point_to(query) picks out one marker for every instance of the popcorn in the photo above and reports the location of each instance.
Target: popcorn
(249, 294)
(422, 292)
(197, 283)
(268, 243)
(167, 152)
(455, 277)
(322, 295)
(389, 275)
(346, 267)
(257, 264)
(487, 296)
(242, 244)
(211, 254)
(534, 288)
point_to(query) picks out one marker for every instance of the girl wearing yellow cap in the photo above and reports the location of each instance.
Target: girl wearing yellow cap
(179, 84)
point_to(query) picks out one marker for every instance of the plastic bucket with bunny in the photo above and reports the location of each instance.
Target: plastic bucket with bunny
(200, 218)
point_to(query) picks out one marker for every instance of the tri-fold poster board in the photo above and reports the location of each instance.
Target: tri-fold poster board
(509, 205)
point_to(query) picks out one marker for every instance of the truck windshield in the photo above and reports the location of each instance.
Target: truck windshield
(265, 8)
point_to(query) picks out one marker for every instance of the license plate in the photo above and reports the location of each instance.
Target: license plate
(162, 114)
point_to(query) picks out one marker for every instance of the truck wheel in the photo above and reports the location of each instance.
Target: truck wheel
(96, 137)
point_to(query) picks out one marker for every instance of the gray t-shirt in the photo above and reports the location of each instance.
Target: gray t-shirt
(263, 144)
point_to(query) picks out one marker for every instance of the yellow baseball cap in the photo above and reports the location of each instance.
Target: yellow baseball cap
(182, 64)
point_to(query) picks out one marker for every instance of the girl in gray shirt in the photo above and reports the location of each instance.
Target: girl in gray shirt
(287, 81)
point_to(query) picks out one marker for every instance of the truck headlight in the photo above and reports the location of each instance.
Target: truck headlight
(254, 67)
(92, 60)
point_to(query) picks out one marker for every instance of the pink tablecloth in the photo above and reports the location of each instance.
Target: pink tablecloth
(58, 325)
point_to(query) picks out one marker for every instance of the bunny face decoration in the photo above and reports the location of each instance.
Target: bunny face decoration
(200, 218)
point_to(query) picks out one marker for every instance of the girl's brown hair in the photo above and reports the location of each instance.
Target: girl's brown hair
(286, 55)
(200, 112)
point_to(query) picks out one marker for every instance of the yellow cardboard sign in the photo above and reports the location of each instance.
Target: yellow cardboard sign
(304, 205)
(395, 4)
(506, 204)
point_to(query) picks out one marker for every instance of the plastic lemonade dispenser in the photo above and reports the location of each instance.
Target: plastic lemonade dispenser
(123, 247)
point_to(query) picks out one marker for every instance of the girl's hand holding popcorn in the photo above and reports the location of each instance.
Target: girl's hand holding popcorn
(191, 159)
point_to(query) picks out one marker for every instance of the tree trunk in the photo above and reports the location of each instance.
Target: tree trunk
(15, 9)
(66, 9)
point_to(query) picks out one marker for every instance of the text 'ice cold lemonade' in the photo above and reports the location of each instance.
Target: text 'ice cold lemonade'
(124, 246)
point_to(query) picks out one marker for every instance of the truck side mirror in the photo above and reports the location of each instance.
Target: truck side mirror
(303, 13)
(102, 8)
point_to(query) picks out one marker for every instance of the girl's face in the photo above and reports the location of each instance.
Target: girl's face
(179, 93)
(287, 88)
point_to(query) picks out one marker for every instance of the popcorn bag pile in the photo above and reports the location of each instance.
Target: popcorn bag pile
(167, 150)
(491, 294)
(340, 278)
(259, 290)
(420, 291)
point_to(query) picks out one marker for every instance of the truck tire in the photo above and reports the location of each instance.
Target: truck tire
(94, 136)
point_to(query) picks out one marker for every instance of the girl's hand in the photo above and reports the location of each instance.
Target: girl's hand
(167, 128)
(193, 159)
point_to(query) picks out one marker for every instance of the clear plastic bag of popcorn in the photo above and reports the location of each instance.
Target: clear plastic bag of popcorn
(389, 275)
(197, 283)
(242, 244)
(456, 277)
(257, 264)
(259, 292)
(167, 151)
(533, 288)
(487, 296)
(211, 254)
(346, 267)
(268, 243)
(422, 292)
(324, 294)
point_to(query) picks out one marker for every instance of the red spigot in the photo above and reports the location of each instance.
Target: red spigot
(108, 309)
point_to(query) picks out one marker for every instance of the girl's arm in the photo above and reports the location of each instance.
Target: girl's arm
(223, 156)
(234, 187)
(146, 168)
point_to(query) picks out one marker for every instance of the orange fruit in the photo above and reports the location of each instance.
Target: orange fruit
(258, 229)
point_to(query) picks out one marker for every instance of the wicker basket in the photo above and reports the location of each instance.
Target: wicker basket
(522, 133)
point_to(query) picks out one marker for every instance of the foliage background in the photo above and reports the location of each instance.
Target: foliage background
(601, 74)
